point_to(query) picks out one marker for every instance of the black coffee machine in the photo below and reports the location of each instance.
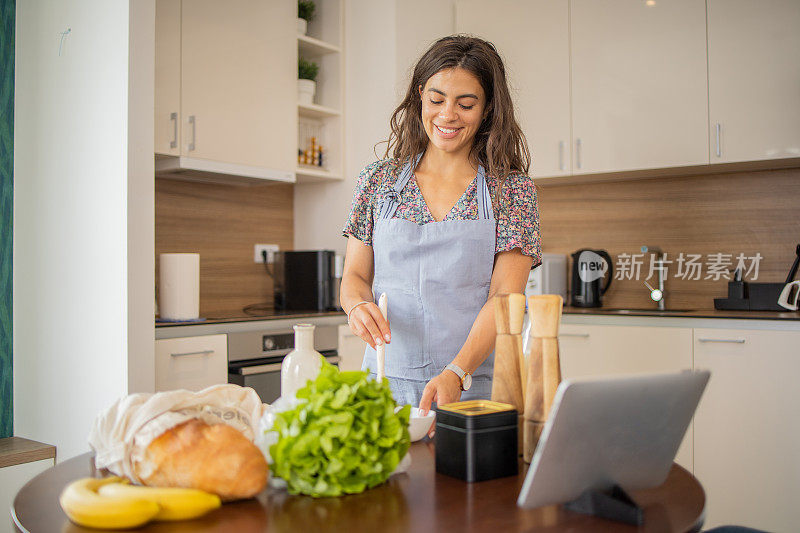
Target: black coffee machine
(589, 267)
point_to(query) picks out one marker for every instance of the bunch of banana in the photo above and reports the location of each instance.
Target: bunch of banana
(110, 503)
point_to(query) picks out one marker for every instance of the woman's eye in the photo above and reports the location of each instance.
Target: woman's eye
(467, 107)
(437, 102)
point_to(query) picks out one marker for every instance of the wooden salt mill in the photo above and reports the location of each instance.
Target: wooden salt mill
(508, 384)
(544, 367)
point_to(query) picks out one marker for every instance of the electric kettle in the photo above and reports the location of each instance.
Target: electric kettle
(589, 269)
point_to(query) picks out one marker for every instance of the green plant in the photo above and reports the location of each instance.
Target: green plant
(307, 70)
(344, 438)
(305, 9)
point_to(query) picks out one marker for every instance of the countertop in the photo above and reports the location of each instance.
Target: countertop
(695, 313)
(263, 314)
(271, 314)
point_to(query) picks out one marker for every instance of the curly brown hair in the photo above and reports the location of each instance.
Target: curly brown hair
(499, 145)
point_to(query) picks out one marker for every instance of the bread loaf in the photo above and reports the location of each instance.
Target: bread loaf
(215, 458)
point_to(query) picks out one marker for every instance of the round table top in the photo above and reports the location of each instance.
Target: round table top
(418, 500)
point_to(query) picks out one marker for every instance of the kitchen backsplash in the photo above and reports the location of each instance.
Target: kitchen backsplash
(745, 213)
(222, 223)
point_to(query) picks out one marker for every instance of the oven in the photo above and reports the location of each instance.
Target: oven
(255, 357)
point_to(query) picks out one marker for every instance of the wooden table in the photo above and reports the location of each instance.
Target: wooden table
(419, 500)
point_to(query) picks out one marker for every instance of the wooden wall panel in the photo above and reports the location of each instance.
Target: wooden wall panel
(744, 212)
(222, 223)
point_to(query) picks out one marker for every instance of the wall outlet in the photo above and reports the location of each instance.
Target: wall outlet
(269, 248)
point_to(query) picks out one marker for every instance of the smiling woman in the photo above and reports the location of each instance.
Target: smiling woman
(446, 221)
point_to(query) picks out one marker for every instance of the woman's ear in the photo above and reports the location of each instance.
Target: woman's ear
(419, 89)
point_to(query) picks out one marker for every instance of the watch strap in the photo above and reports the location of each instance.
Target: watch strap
(461, 373)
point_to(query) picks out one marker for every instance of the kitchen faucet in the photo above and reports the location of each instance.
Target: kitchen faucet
(657, 295)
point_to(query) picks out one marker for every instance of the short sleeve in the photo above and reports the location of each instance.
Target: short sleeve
(360, 221)
(518, 218)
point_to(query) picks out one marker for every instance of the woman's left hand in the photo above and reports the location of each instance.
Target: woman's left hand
(444, 388)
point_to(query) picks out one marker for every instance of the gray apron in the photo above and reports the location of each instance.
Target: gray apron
(436, 277)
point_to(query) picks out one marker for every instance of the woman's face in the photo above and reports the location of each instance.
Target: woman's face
(453, 104)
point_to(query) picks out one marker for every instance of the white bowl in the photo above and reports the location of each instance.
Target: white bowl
(418, 426)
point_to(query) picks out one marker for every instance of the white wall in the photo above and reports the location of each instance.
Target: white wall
(382, 41)
(71, 199)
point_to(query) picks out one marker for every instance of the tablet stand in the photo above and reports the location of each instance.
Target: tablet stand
(612, 504)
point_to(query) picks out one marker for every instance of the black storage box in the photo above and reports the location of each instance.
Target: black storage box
(476, 440)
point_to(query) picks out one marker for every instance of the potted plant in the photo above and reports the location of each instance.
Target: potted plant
(306, 83)
(305, 13)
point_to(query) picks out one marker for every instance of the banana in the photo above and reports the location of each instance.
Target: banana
(175, 503)
(84, 506)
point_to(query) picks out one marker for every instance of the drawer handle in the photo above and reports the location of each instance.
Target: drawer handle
(201, 352)
(274, 367)
(581, 335)
(730, 341)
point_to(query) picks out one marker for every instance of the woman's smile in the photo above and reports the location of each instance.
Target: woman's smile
(447, 133)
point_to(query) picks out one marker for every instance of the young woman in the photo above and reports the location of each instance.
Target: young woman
(442, 226)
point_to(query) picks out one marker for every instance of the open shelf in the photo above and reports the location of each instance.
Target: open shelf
(309, 46)
(317, 111)
(308, 174)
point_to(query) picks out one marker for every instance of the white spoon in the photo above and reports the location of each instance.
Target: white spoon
(380, 349)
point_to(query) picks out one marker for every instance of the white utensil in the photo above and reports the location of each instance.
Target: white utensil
(380, 349)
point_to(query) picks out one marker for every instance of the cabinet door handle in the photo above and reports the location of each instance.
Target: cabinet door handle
(560, 155)
(201, 352)
(729, 341)
(717, 129)
(194, 132)
(174, 118)
(578, 145)
(581, 335)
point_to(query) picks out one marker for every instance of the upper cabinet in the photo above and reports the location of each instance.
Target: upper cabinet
(226, 88)
(754, 79)
(534, 44)
(639, 90)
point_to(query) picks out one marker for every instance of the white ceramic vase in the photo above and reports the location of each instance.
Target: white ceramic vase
(302, 364)
(305, 91)
(302, 26)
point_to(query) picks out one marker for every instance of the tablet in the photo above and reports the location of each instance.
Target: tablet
(611, 431)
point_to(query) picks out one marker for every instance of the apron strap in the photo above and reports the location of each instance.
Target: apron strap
(485, 210)
(392, 199)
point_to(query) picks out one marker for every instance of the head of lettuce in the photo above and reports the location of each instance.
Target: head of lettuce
(343, 438)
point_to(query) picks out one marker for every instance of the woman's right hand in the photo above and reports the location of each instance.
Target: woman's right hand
(368, 323)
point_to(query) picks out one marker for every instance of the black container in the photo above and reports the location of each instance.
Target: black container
(476, 440)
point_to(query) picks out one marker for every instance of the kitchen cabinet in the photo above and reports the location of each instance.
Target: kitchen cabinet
(594, 350)
(351, 349)
(167, 123)
(234, 65)
(747, 429)
(191, 363)
(533, 39)
(639, 85)
(753, 76)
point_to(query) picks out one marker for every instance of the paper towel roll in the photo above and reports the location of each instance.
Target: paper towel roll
(179, 286)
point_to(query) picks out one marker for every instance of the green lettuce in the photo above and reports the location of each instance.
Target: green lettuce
(344, 437)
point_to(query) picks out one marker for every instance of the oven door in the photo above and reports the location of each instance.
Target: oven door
(264, 376)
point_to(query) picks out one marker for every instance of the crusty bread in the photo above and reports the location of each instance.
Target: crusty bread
(215, 458)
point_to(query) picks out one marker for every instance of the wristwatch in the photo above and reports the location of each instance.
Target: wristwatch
(465, 377)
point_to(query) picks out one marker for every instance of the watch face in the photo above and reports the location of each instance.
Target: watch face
(466, 383)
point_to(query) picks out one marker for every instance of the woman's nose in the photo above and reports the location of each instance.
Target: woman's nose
(448, 111)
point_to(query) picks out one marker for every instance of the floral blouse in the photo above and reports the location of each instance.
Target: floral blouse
(517, 221)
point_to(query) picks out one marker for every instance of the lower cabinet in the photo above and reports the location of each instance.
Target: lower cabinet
(747, 428)
(191, 363)
(13, 478)
(587, 350)
(351, 349)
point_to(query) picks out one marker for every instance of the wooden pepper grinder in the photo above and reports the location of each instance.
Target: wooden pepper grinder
(508, 385)
(544, 367)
